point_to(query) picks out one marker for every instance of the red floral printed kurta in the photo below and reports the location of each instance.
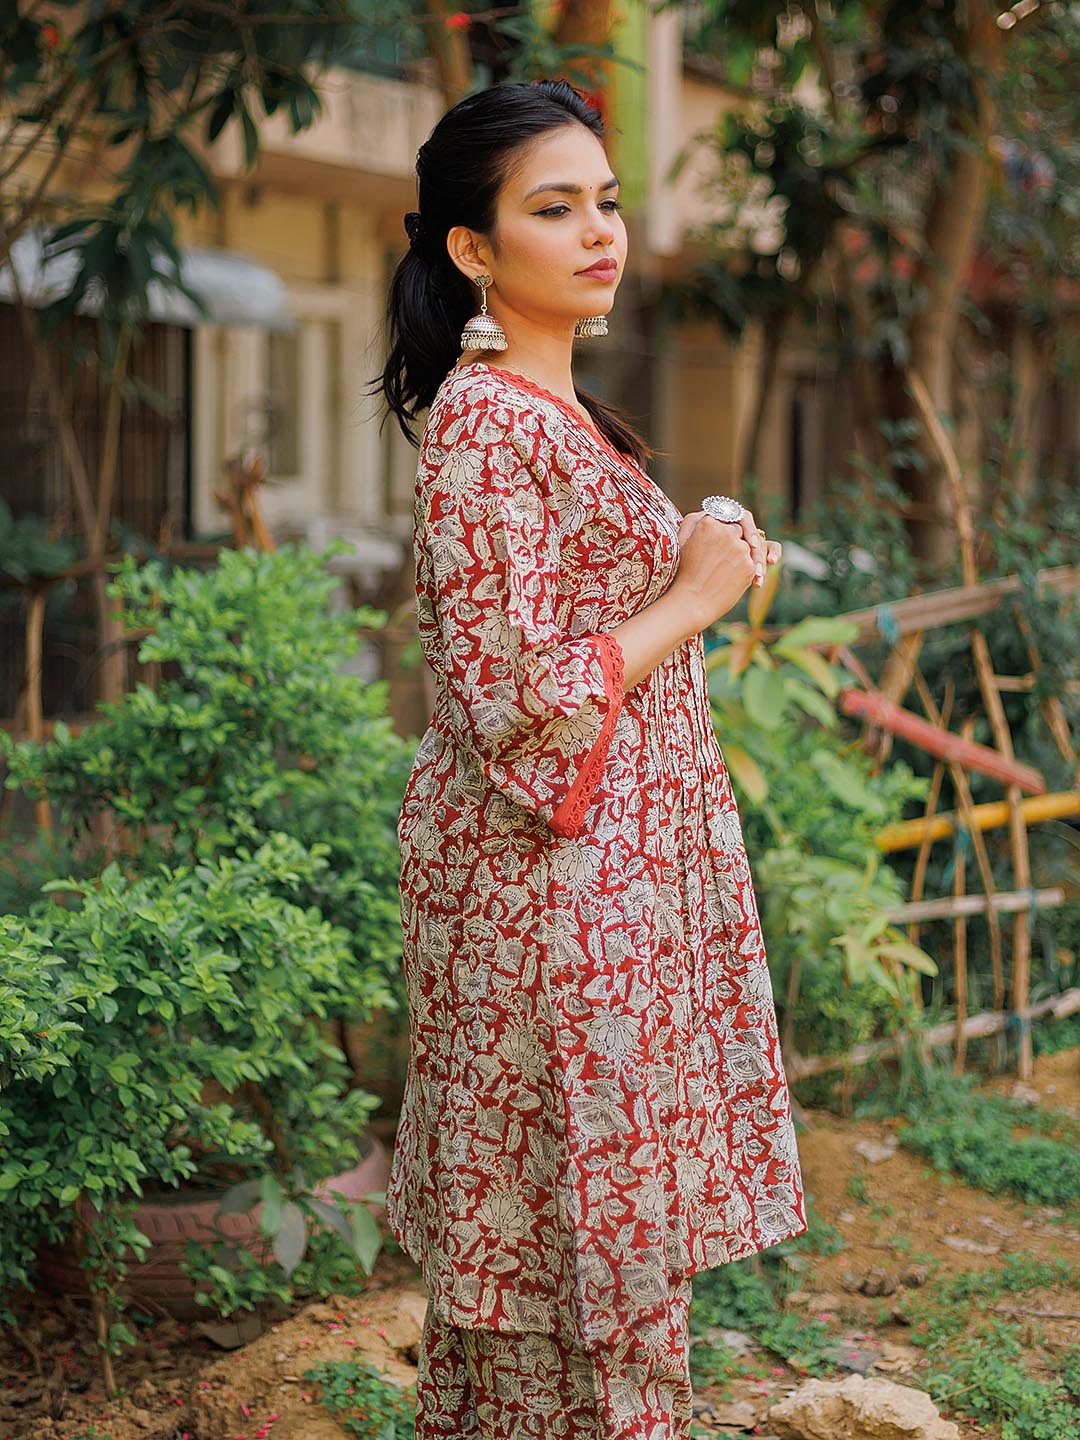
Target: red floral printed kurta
(595, 1100)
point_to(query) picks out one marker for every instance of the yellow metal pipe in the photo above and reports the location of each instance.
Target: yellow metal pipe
(908, 833)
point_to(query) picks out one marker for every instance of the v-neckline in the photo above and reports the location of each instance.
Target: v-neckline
(530, 384)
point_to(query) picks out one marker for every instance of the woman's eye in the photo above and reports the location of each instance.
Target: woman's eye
(610, 206)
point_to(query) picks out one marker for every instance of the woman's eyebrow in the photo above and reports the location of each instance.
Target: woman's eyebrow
(569, 189)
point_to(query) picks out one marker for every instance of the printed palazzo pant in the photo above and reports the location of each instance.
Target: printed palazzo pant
(485, 1385)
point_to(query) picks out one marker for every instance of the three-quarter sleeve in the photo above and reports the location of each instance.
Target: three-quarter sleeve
(536, 706)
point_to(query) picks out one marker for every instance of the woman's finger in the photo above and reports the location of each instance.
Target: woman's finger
(773, 551)
(755, 540)
(688, 524)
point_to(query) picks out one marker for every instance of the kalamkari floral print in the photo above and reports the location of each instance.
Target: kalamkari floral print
(486, 1385)
(595, 1100)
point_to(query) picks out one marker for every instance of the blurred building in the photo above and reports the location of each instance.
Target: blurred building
(293, 268)
(323, 211)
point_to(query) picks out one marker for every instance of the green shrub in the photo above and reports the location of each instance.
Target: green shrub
(257, 728)
(811, 809)
(365, 1403)
(975, 1362)
(170, 1005)
(190, 1008)
(973, 1136)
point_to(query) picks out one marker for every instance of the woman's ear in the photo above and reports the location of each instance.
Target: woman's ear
(467, 250)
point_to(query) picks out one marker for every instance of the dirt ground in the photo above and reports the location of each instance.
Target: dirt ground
(901, 1224)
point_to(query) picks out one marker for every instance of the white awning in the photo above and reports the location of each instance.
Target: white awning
(234, 289)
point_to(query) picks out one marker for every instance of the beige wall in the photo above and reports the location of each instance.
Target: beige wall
(332, 261)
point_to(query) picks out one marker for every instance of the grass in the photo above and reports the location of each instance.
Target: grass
(974, 1359)
(748, 1295)
(974, 1137)
(992, 1143)
(363, 1401)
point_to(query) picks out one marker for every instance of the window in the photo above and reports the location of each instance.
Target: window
(282, 440)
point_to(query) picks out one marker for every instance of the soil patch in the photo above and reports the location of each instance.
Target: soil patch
(902, 1225)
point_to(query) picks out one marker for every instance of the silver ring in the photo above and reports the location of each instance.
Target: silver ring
(723, 507)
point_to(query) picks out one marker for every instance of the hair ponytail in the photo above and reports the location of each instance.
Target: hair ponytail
(426, 311)
(460, 170)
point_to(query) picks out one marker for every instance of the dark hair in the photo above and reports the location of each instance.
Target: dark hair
(460, 170)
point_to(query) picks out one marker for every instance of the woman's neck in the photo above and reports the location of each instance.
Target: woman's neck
(539, 354)
(556, 379)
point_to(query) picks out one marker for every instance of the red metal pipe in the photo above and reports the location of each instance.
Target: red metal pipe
(942, 744)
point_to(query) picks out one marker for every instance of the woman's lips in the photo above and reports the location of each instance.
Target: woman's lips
(602, 270)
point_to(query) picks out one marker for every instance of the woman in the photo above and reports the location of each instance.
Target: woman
(595, 1106)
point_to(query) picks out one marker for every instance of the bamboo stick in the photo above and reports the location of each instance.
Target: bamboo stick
(1019, 848)
(960, 960)
(991, 1022)
(1052, 708)
(922, 860)
(906, 834)
(965, 809)
(895, 683)
(947, 607)
(946, 908)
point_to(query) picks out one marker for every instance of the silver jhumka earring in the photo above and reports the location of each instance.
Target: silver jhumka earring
(483, 331)
(591, 328)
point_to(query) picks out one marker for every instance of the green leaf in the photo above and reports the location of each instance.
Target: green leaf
(241, 1198)
(904, 953)
(221, 114)
(273, 1201)
(366, 1238)
(746, 771)
(763, 696)
(812, 701)
(815, 630)
(337, 1219)
(847, 784)
(251, 137)
(819, 669)
(290, 1242)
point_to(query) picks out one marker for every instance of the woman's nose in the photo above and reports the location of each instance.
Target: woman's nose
(601, 229)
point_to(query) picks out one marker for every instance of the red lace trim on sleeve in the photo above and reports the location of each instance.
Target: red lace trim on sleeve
(568, 817)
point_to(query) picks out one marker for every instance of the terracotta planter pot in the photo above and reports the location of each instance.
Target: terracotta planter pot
(173, 1218)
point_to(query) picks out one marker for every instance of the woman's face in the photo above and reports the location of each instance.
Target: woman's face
(556, 218)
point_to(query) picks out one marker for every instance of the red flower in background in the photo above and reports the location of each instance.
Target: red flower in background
(458, 21)
(51, 35)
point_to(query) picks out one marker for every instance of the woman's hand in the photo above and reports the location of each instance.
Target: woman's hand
(719, 561)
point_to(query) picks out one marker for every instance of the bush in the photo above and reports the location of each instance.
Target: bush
(365, 1404)
(188, 1046)
(169, 1006)
(811, 809)
(256, 729)
(974, 1136)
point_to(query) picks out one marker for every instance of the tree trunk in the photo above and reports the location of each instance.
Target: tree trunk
(587, 22)
(774, 327)
(449, 48)
(953, 220)
(1021, 468)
